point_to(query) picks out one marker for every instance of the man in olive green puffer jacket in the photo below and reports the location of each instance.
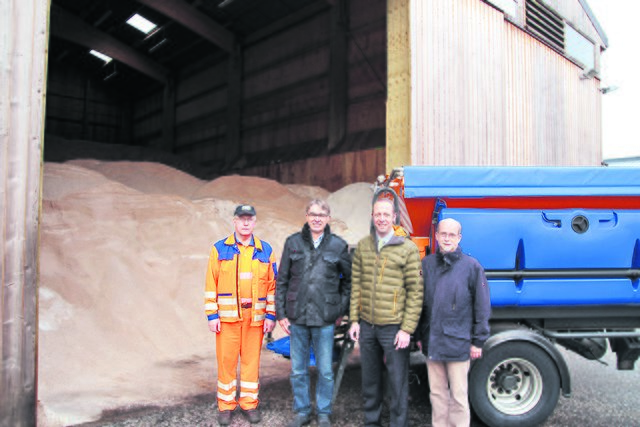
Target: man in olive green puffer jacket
(386, 301)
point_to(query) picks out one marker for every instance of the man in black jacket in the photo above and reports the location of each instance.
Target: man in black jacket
(312, 292)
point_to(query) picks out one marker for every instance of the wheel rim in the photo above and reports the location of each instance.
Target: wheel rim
(514, 386)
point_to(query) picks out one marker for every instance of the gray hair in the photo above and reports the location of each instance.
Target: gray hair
(320, 203)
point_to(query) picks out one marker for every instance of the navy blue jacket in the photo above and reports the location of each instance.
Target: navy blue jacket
(456, 307)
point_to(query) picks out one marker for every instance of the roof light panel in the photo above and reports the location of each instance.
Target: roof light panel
(102, 56)
(141, 23)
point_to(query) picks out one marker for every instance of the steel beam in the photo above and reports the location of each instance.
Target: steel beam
(295, 18)
(69, 27)
(180, 11)
(338, 76)
(234, 151)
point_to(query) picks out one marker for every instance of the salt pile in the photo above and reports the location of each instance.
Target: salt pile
(124, 247)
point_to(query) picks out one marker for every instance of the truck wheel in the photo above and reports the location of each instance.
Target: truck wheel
(514, 384)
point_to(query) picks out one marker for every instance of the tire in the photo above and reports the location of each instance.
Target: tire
(514, 384)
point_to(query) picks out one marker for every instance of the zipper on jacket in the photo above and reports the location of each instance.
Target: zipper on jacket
(238, 284)
(384, 263)
(453, 306)
(373, 291)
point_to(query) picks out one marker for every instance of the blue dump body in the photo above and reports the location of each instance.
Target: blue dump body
(543, 257)
(544, 240)
(422, 181)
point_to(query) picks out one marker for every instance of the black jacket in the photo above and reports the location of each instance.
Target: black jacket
(313, 285)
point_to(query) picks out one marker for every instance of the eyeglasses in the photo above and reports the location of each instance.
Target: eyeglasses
(448, 235)
(317, 215)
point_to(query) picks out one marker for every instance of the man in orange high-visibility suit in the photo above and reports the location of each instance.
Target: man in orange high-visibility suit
(240, 308)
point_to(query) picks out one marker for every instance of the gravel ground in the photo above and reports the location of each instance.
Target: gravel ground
(276, 405)
(602, 396)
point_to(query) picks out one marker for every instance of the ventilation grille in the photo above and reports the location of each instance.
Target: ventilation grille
(546, 24)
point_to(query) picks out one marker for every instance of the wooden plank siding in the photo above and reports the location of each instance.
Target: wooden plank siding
(330, 172)
(488, 93)
(24, 37)
(399, 108)
(285, 109)
(81, 108)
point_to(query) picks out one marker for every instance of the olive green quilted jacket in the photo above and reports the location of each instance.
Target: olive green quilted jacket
(387, 286)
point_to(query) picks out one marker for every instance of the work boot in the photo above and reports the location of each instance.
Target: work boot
(324, 420)
(253, 415)
(224, 418)
(300, 420)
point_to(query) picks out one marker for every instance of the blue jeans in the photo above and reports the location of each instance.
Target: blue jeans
(302, 337)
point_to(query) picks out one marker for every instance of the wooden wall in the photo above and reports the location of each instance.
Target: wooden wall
(330, 172)
(288, 79)
(399, 106)
(82, 108)
(487, 93)
(23, 54)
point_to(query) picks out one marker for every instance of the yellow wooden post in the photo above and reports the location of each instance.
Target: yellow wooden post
(398, 140)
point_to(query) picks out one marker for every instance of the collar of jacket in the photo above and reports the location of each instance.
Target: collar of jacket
(306, 234)
(399, 236)
(447, 259)
(232, 241)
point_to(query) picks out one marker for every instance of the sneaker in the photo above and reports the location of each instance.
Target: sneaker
(224, 418)
(324, 420)
(300, 420)
(253, 415)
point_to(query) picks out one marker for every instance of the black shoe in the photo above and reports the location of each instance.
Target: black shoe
(224, 418)
(300, 420)
(324, 420)
(253, 415)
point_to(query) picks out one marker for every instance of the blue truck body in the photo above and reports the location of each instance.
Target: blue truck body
(561, 250)
(543, 239)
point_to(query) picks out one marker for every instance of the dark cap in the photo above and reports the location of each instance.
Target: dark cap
(245, 210)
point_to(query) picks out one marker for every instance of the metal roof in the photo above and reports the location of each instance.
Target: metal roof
(595, 22)
(188, 32)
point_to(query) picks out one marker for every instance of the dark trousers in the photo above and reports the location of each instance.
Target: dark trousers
(376, 350)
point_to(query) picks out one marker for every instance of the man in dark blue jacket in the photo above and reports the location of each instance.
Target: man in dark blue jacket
(454, 324)
(312, 292)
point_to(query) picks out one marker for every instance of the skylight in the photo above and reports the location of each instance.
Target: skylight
(102, 56)
(142, 24)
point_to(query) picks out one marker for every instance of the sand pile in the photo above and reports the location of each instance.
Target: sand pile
(352, 205)
(124, 248)
(151, 178)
